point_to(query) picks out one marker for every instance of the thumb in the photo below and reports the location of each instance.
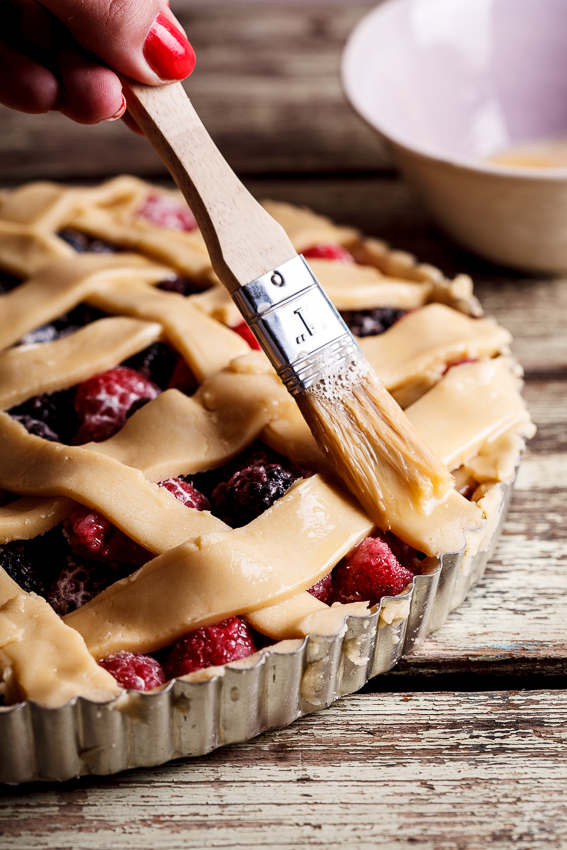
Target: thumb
(141, 39)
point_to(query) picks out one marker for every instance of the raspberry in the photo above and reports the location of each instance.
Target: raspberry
(35, 426)
(91, 535)
(329, 251)
(323, 589)
(103, 401)
(79, 582)
(372, 322)
(17, 563)
(244, 331)
(137, 672)
(408, 557)
(186, 493)
(211, 646)
(165, 212)
(250, 491)
(370, 572)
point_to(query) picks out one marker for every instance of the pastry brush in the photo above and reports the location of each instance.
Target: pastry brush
(371, 443)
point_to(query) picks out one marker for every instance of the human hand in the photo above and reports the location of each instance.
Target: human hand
(62, 55)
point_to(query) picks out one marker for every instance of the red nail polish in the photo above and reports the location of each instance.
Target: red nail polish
(167, 51)
(120, 112)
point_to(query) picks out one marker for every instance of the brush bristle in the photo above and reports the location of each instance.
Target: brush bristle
(374, 448)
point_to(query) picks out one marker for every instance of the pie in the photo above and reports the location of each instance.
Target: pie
(124, 365)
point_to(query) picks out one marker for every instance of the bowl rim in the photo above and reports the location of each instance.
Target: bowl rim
(470, 163)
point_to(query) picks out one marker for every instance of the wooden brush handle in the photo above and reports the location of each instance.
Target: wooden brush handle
(243, 240)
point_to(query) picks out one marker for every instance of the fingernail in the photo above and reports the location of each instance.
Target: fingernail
(120, 112)
(167, 51)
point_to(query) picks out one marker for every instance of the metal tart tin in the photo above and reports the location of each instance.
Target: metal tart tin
(267, 691)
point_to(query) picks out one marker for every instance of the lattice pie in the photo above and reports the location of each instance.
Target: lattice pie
(164, 507)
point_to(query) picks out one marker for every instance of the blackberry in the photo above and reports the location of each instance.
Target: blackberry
(371, 322)
(56, 411)
(17, 563)
(157, 363)
(37, 427)
(8, 282)
(63, 326)
(81, 580)
(257, 454)
(250, 491)
(83, 243)
(183, 286)
(46, 333)
(48, 553)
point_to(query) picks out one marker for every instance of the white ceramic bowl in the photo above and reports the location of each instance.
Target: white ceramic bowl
(451, 82)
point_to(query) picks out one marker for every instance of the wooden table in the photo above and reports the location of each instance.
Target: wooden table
(464, 742)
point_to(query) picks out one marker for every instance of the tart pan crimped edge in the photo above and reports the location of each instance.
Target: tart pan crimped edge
(245, 699)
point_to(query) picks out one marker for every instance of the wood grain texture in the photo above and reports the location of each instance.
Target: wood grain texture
(266, 86)
(437, 771)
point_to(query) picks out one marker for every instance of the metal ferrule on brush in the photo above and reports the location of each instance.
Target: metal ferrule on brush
(300, 330)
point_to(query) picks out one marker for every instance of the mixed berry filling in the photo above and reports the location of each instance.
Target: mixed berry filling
(96, 553)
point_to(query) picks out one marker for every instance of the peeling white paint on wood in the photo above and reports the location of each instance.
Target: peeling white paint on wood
(439, 770)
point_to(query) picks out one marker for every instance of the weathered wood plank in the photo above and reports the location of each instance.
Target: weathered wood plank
(266, 85)
(438, 770)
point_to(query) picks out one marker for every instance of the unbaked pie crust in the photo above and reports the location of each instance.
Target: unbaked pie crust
(472, 417)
